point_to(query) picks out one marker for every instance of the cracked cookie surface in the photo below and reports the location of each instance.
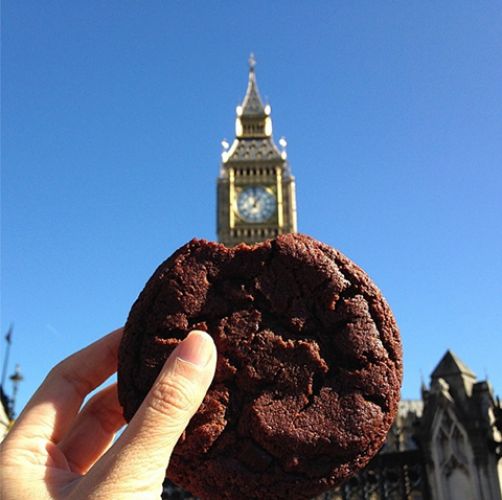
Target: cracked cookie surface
(309, 365)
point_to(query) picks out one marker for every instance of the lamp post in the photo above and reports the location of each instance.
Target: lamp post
(16, 378)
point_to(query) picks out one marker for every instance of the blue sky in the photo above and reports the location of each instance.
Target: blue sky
(112, 117)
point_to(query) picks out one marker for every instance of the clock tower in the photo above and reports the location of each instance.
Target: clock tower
(256, 191)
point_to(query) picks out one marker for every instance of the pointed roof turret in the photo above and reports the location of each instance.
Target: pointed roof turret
(252, 104)
(451, 366)
(456, 374)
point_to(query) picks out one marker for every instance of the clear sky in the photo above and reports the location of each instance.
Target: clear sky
(112, 117)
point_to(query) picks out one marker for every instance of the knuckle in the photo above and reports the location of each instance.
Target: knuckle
(56, 371)
(109, 417)
(64, 372)
(171, 396)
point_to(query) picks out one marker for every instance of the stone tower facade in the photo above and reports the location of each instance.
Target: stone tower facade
(256, 191)
(460, 434)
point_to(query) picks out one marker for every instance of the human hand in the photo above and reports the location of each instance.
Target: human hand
(58, 450)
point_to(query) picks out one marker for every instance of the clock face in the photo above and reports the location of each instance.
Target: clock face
(256, 204)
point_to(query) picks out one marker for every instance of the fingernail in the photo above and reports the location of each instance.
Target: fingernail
(197, 348)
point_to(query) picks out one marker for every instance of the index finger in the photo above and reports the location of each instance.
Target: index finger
(52, 409)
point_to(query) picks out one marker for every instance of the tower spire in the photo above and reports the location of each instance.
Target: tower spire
(252, 105)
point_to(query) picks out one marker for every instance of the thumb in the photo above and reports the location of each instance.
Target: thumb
(141, 455)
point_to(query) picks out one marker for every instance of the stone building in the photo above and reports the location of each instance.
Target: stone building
(460, 434)
(5, 416)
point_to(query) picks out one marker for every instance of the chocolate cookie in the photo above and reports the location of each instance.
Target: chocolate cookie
(309, 365)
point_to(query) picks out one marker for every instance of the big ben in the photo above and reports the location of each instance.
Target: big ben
(256, 190)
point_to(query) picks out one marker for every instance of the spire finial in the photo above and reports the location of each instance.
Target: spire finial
(252, 61)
